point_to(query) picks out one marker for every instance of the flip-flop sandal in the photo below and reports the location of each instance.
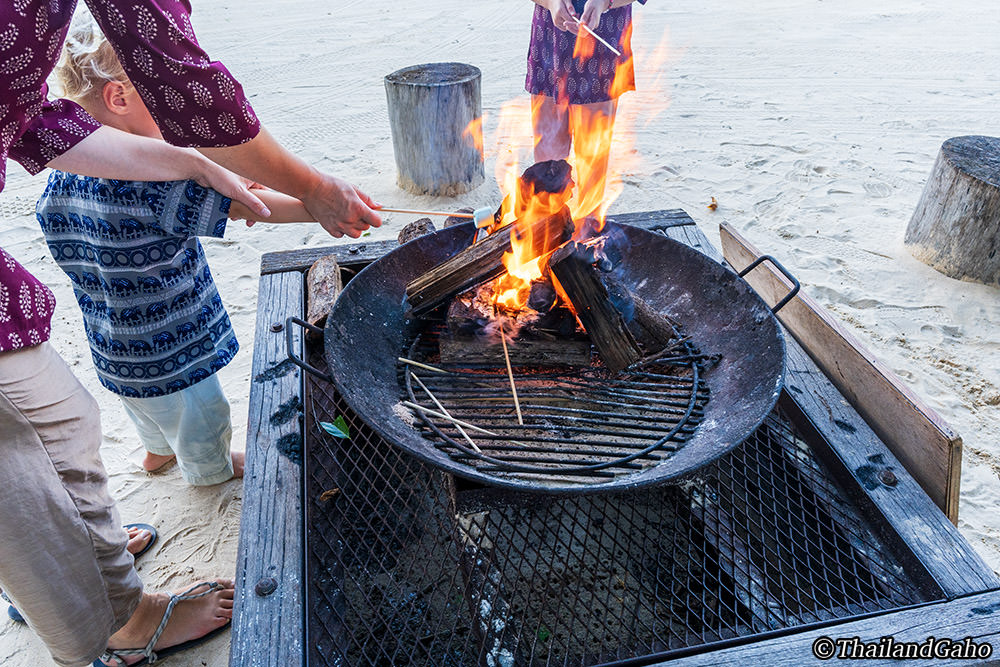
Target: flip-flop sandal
(152, 656)
(15, 615)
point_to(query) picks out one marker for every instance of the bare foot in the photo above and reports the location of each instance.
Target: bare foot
(190, 619)
(137, 539)
(154, 462)
(239, 458)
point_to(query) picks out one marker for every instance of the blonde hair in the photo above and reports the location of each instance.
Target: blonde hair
(87, 61)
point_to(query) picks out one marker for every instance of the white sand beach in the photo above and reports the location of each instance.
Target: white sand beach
(813, 123)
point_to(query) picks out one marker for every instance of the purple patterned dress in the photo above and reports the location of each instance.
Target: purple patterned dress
(195, 102)
(554, 72)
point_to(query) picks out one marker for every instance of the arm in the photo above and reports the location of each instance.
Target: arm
(283, 209)
(562, 13)
(338, 206)
(110, 153)
(594, 8)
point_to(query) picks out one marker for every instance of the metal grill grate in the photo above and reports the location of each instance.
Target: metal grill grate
(579, 424)
(410, 566)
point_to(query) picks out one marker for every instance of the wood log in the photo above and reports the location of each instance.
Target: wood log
(523, 351)
(323, 286)
(472, 335)
(415, 229)
(956, 226)
(482, 261)
(435, 141)
(579, 281)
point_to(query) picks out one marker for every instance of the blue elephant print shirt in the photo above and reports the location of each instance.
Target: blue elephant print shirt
(154, 319)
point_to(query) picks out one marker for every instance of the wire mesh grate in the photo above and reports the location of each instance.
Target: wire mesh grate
(408, 565)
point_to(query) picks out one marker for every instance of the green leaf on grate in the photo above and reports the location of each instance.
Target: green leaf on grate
(338, 429)
(543, 633)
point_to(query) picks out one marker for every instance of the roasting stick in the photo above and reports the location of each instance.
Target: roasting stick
(445, 411)
(458, 422)
(432, 369)
(596, 36)
(483, 217)
(510, 374)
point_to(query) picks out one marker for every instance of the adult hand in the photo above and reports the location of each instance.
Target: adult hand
(562, 14)
(592, 12)
(340, 208)
(229, 184)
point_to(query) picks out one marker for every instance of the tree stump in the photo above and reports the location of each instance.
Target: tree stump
(431, 107)
(956, 227)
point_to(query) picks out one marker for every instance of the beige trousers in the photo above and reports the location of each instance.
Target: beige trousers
(62, 548)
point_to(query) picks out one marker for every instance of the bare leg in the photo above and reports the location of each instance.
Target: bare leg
(153, 462)
(592, 126)
(550, 124)
(191, 619)
(238, 461)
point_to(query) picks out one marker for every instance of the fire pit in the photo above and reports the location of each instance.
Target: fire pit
(376, 557)
(585, 429)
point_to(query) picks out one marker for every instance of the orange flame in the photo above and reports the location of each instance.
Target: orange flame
(473, 133)
(592, 129)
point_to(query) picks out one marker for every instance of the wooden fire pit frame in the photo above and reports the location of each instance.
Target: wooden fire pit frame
(268, 622)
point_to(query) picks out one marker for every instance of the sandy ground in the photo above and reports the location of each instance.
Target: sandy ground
(814, 124)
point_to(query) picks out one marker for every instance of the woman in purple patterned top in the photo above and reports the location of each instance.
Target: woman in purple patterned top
(77, 586)
(575, 82)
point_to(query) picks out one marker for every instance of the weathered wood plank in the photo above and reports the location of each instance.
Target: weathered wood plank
(901, 502)
(347, 255)
(268, 629)
(918, 436)
(977, 616)
(906, 508)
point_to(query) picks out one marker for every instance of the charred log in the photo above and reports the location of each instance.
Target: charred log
(472, 336)
(580, 281)
(483, 260)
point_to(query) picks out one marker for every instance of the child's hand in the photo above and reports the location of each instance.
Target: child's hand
(592, 12)
(562, 14)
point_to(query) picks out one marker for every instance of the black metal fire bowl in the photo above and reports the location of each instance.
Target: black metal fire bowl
(368, 330)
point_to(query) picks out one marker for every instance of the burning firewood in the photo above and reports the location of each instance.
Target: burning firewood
(484, 260)
(542, 336)
(572, 265)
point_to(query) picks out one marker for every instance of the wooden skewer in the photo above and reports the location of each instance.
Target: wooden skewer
(510, 374)
(596, 36)
(445, 411)
(458, 422)
(432, 369)
(470, 216)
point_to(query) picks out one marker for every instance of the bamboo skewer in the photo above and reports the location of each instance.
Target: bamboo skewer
(432, 369)
(595, 36)
(458, 422)
(510, 374)
(445, 411)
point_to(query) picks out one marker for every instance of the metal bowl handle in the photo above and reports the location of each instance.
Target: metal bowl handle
(290, 345)
(795, 283)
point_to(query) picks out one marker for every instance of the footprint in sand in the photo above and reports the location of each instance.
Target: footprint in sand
(878, 189)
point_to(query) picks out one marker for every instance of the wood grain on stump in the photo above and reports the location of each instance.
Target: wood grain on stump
(430, 108)
(956, 227)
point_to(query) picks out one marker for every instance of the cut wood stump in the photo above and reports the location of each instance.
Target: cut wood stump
(956, 227)
(437, 144)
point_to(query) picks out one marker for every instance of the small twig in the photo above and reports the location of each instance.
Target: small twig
(596, 36)
(445, 411)
(432, 369)
(510, 374)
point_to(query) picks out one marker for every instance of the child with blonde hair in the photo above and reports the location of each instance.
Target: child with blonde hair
(156, 325)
